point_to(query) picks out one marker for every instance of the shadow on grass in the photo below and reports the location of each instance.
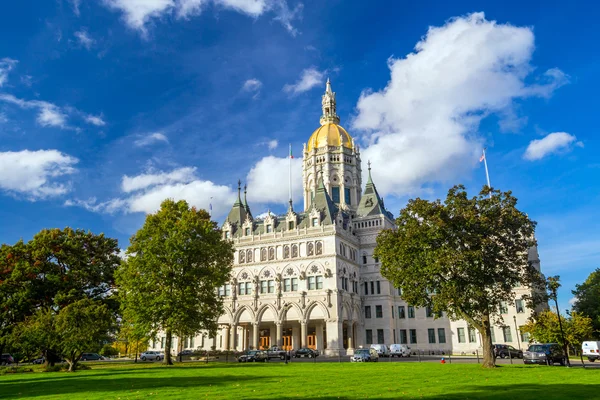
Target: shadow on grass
(515, 392)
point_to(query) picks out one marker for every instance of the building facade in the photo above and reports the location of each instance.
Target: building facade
(308, 278)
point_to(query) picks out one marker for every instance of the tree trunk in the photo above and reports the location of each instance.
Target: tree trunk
(168, 344)
(136, 351)
(489, 361)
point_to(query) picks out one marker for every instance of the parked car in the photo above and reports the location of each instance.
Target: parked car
(546, 353)
(306, 352)
(38, 360)
(504, 350)
(591, 350)
(254, 356)
(91, 357)
(277, 352)
(152, 356)
(382, 350)
(365, 355)
(185, 353)
(399, 350)
(6, 359)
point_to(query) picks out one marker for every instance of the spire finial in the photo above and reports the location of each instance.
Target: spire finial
(369, 164)
(239, 187)
(328, 105)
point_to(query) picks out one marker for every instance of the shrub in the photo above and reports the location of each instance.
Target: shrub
(14, 370)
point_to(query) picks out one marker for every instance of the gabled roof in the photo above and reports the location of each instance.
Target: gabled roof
(323, 203)
(238, 212)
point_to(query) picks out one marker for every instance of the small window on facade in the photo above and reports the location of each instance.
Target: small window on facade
(367, 311)
(403, 336)
(401, 312)
(369, 336)
(291, 225)
(372, 287)
(428, 312)
(319, 282)
(311, 283)
(378, 312)
(227, 233)
(503, 308)
(378, 287)
(380, 336)
(335, 194)
(431, 335)
(315, 222)
(472, 335)
(366, 288)
(269, 228)
(411, 311)
(413, 336)
(524, 336)
(347, 196)
(507, 334)
(461, 335)
(441, 335)
(520, 305)
(271, 286)
(247, 232)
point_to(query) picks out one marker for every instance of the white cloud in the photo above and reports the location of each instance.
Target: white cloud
(6, 65)
(76, 4)
(50, 114)
(272, 144)
(146, 181)
(573, 301)
(268, 180)
(309, 78)
(138, 13)
(95, 120)
(252, 86)
(144, 193)
(84, 39)
(552, 143)
(422, 127)
(151, 139)
(35, 174)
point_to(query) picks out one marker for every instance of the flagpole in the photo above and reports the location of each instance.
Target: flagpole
(290, 165)
(487, 174)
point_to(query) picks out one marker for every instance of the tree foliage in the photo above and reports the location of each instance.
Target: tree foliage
(463, 256)
(543, 327)
(42, 277)
(174, 265)
(587, 300)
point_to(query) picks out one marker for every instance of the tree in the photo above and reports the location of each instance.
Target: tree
(175, 263)
(543, 327)
(463, 256)
(50, 272)
(81, 327)
(587, 299)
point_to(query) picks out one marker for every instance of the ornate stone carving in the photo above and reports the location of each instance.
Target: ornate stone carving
(319, 248)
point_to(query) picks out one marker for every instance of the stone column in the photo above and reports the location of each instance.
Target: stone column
(319, 333)
(255, 335)
(303, 333)
(279, 334)
(227, 337)
(334, 336)
(233, 332)
(350, 337)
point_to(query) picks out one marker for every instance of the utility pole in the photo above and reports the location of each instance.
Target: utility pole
(553, 285)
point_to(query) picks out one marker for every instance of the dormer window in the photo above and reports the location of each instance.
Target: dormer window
(315, 222)
(247, 231)
(269, 228)
(227, 234)
(291, 225)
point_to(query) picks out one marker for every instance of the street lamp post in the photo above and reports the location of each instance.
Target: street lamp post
(517, 331)
(553, 285)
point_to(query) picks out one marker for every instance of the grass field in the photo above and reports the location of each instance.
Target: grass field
(306, 380)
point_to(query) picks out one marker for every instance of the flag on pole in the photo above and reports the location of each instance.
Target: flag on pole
(210, 206)
(482, 157)
(291, 155)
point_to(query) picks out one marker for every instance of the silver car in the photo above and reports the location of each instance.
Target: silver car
(365, 355)
(152, 356)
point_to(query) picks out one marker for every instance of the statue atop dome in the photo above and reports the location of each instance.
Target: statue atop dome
(329, 106)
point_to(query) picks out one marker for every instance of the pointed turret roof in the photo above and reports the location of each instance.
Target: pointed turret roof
(245, 204)
(238, 212)
(323, 202)
(371, 203)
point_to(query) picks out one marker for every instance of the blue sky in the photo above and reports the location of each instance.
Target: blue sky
(109, 106)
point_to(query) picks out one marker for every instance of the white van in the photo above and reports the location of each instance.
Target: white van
(382, 350)
(591, 350)
(399, 350)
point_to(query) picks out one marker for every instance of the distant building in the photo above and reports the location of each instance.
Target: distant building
(309, 279)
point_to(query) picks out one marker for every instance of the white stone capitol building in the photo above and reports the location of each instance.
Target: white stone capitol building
(309, 279)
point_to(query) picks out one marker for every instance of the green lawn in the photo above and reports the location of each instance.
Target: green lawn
(306, 380)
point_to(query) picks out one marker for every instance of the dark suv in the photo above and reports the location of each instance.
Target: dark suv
(546, 353)
(254, 356)
(504, 350)
(6, 359)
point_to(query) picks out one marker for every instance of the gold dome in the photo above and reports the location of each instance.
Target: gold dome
(329, 135)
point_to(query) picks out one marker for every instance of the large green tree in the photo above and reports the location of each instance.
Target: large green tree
(587, 299)
(52, 271)
(174, 265)
(463, 256)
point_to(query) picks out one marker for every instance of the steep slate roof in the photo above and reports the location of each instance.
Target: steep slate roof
(371, 203)
(323, 203)
(238, 212)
